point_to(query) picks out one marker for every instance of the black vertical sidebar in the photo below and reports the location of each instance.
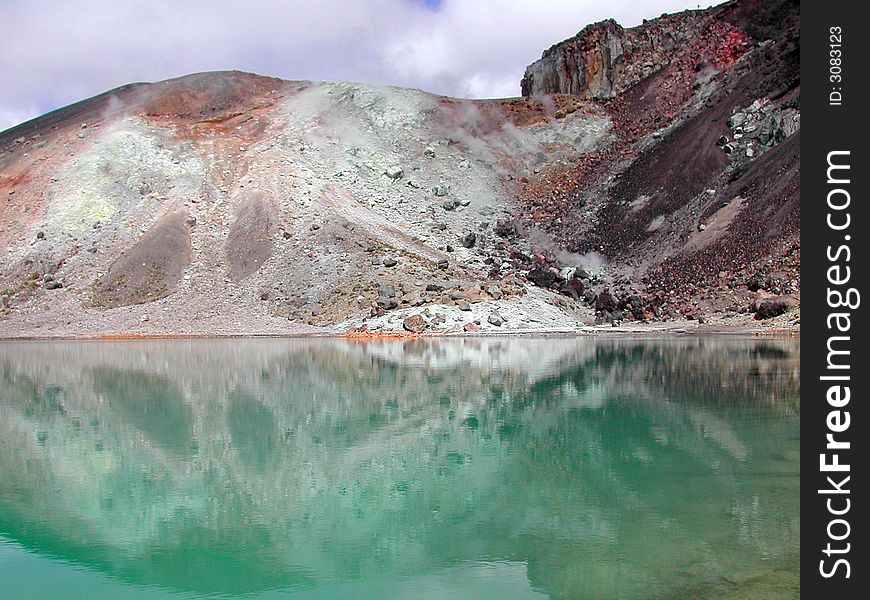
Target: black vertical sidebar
(835, 432)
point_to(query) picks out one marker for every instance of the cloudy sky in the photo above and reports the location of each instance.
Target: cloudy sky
(54, 52)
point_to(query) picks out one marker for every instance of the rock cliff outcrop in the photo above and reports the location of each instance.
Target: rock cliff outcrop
(605, 59)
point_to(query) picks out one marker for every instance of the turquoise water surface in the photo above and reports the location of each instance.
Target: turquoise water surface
(465, 468)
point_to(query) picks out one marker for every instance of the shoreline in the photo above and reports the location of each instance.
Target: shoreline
(518, 333)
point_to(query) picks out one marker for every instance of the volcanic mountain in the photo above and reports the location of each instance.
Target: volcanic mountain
(646, 177)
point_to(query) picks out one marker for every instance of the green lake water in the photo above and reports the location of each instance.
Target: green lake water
(464, 468)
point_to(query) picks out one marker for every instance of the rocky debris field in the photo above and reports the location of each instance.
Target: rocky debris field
(697, 197)
(663, 196)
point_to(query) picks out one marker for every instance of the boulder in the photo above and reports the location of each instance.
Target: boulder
(505, 228)
(767, 308)
(605, 302)
(736, 120)
(394, 172)
(415, 324)
(759, 282)
(606, 317)
(387, 298)
(541, 277)
(573, 288)
(386, 291)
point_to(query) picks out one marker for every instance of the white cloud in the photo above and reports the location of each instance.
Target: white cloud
(54, 52)
(16, 113)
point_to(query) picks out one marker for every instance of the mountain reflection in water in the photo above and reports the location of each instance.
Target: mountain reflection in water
(512, 468)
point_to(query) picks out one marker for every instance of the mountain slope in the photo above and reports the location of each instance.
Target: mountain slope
(230, 203)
